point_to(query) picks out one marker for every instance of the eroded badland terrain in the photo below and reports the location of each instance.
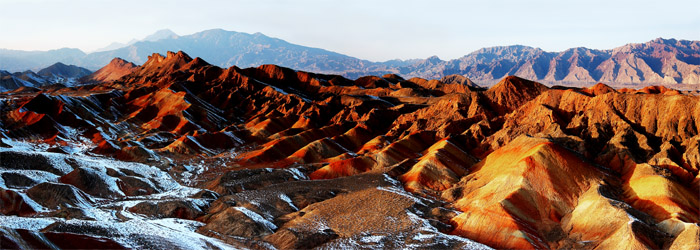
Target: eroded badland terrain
(178, 153)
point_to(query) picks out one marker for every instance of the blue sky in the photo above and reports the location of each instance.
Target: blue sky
(374, 30)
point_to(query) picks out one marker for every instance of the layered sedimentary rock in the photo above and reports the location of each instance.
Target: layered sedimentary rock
(114, 70)
(270, 157)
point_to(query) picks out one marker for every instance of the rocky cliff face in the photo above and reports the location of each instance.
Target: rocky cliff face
(270, 157)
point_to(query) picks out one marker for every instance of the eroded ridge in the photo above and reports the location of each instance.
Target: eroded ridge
(269, 157)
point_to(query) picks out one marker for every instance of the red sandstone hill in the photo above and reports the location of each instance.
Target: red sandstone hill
(113, 71)
(292, 159)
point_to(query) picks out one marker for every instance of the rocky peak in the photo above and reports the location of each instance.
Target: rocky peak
(155, 58)
(457, 79)
(433, 59)
(114, 70)
(430, 62)
(179, 56)
(118, 63)
(512, 92)
(157, 64)
(664, 41)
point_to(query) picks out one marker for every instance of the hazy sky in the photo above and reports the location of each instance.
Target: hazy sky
(374, 30)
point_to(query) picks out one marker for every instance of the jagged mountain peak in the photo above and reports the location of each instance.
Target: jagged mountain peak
(170, 58)
(663, 40)
(159, 68)
(154, 58)
(179, 55)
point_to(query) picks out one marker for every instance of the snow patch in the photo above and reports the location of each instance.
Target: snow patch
(257, 218)
(286, 199)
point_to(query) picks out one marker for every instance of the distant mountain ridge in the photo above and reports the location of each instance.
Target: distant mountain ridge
(227, 48)
(159, 35)
(660, 61)
(19, 60)
(57, 73)
(61, 70)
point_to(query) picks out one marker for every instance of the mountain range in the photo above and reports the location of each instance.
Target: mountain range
(181, 154)
(660, 61)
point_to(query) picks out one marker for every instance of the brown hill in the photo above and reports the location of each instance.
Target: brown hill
(114, 70)
(302, 160)
(459, 79)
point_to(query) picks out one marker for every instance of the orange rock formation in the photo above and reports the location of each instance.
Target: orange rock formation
(522, 165)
